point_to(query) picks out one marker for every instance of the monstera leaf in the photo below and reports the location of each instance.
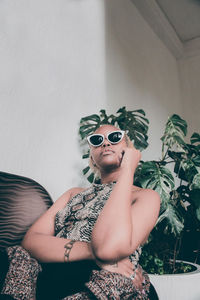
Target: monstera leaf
(157, 177)
(186, 164)
(196, 182)
(88, 125)
(195, 138)
(136, 126)
(175, 131)
(189, 168)
(174, 223)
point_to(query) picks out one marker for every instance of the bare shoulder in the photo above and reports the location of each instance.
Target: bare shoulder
(145, 195)
(76, 190)
(66, 196)
(148, 193)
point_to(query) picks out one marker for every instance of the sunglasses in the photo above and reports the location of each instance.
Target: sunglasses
(114, 137)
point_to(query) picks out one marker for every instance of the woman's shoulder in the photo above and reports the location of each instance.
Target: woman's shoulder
(67, 195)
(76, 190)
(148, 194)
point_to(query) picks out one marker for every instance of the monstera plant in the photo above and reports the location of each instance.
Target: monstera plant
(175, 176)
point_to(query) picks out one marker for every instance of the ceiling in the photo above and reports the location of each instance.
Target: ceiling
(176, 22)
(184, 16)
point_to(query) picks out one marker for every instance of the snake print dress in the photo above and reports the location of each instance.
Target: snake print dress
(76, 221)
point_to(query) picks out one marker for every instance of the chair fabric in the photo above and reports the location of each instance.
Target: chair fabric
(22, 201)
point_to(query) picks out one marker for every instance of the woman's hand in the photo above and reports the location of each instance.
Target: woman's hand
(130, 158)
(125, 267)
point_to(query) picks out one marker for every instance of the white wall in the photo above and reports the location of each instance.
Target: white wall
(51, 75)
(140, 70)
(190, 92)
(61, 60)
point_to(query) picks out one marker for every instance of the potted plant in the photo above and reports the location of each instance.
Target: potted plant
(176, 177)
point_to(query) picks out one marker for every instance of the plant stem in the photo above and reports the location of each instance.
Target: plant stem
(164, 155)
(163, 150)
(175, 254)
(195, 261)
(169, 162)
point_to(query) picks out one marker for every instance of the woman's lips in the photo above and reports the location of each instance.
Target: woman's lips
(107, 152)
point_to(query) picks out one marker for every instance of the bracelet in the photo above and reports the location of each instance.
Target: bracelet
(68, 248)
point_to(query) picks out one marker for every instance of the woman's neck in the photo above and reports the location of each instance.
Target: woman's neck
(110, 176)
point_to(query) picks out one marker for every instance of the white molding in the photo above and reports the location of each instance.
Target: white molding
(157, 20)
(154, 16)
(192, 48)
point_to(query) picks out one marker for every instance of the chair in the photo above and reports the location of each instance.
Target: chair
(22, 201)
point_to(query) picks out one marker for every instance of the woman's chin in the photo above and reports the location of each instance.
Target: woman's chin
(109, 164)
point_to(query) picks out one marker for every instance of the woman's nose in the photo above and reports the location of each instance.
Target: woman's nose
(106, 143)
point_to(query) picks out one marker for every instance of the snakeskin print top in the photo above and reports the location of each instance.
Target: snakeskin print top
(76, 220)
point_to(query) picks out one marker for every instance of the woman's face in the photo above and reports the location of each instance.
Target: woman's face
(107, 156)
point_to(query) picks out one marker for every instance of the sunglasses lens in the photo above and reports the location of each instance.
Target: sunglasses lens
(115, 137)
(96, 140)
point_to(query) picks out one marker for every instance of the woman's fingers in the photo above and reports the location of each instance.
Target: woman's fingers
(131, 158)
(125, 268)
(138, 279)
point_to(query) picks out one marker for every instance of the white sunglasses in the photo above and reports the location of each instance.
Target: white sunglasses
(114, 137)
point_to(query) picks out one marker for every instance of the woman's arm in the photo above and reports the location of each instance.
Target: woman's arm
(41, 243)
(123, 225)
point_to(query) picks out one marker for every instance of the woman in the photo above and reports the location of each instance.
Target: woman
(98, 229)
